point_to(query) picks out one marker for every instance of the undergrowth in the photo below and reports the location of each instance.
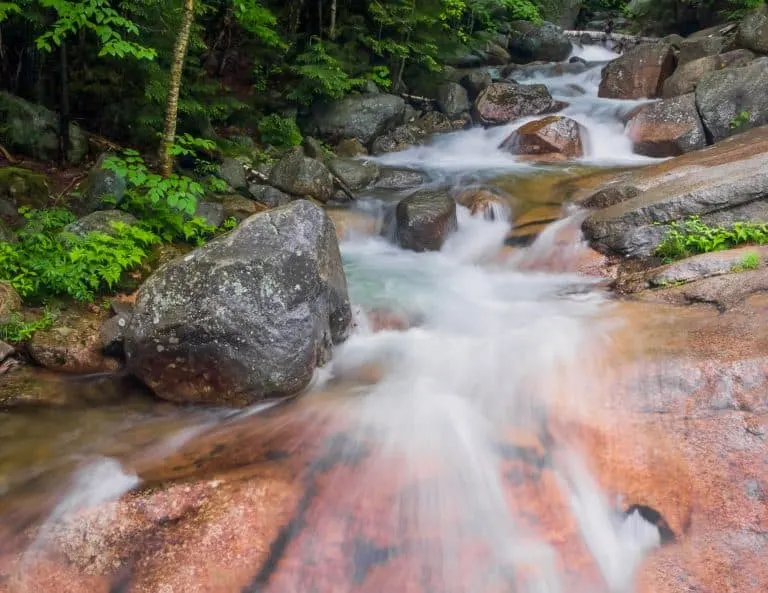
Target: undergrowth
(692, 236)
(750, 261)
(18, 329)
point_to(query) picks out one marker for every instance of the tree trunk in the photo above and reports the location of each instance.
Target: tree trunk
(64, 111)
(332, 28)
(174, 86)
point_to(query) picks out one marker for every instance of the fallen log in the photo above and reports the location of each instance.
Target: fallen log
(621, 41)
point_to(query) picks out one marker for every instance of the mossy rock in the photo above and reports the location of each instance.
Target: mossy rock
(10, 301)
(22, 187)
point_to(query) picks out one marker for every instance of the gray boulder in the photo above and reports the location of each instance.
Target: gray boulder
(33, 130)
(401, 138)
(700, 47)
(545, 42)
(356, 174)
(475, 82)
(100, 221)
(503, 102)
(667, 128)
(399, 179)
(364, 117)
(211, 212)
(733, 100)
(753, 31)
(233, 172)
(302, 176)
(248, 316)
(268, 195)
(102, 183)
(687, 76)
(452, 99)
(313, 148)
(350, 147)
(639, 73)
(424, 220)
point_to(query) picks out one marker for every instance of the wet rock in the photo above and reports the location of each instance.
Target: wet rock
(364, 117)
(488, 203)
(349, 223)
(753, 31)
(356, 174)
(503, 102)
(723, 97)
(112, 334)
(640, 73)
(545, 42)
(475, 82)
(239, 207)
(424, 220)
(687, 76)
(452, 99)
(248, 316)
(434, 122)
(101, 221)
(399, 179)
(10, 301)
(22, 187)
(268, 195)
(302, 176)
(722, 185)
(700, 47)
(72, 344)
(102, 187)
(608, 196)
(211, 212)
(233, 172)
(401, 138)
(33, 130)
(668, 128)
(705, 265)
(350, 148)
(551, 135)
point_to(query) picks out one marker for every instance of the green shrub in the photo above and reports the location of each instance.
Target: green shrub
(692, 236)
(278, 131)
(18, 329)
(751, 261)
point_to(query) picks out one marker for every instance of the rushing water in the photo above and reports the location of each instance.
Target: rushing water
(494, 347)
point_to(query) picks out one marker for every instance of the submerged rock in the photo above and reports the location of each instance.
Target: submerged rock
(639, 73)
(246, 317)
(364, 117)
(668, 128)
(424, 220)
(503, 102)
(552, 135)
(302, 176)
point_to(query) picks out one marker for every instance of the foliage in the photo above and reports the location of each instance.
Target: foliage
(692, 236)
(750, 261)
(278, 131)
(49, 261)
(320, 75)
(17, 329)
(740, 120)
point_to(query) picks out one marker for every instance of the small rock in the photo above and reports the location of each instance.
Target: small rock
(239, 207)
(638, 74)
(399, 179)
(313, 148)
(102, 183)
(302, 176)
(424, 220)
(496, 55)
(356, 174)
(434, 122)
(401, 138)
(503, 102)
(475, 82)
(668, 128)
(350, 148)
(212, 212)
(112, 334)
(10, 301)
(452, 99)
(268, 195)
(753, 31)
(551, 135)
(100, 221)
(490, 204)
(6, 350)
(233, 172)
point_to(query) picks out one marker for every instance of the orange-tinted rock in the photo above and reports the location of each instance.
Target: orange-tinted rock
(490, 204)
(639, 73)
(668, 128)
(553, 135)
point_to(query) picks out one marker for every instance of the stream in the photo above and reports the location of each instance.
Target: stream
(496, 346)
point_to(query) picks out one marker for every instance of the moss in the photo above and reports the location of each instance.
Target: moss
(23, 187)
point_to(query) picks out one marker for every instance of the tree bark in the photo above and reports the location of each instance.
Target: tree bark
(174, 87)
(332, 28)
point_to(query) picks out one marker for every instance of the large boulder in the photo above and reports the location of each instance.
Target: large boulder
(452, 99)
(503, 102)
(364, 117)
(546, 43)
(700, 47)
(639, 73)
(248, 316)
(724, 184)
(356, 174)
(668, 128)
(424, 220)
(733, 100)
(33, 130)
(753, 31)
(554, 135)
(687, 76)
(302, 176)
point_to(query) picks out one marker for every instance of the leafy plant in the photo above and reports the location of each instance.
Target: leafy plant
(278, 131)
(740, 120)
(692, 236)
(18, 329)
(320, 75)
(750, 261)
